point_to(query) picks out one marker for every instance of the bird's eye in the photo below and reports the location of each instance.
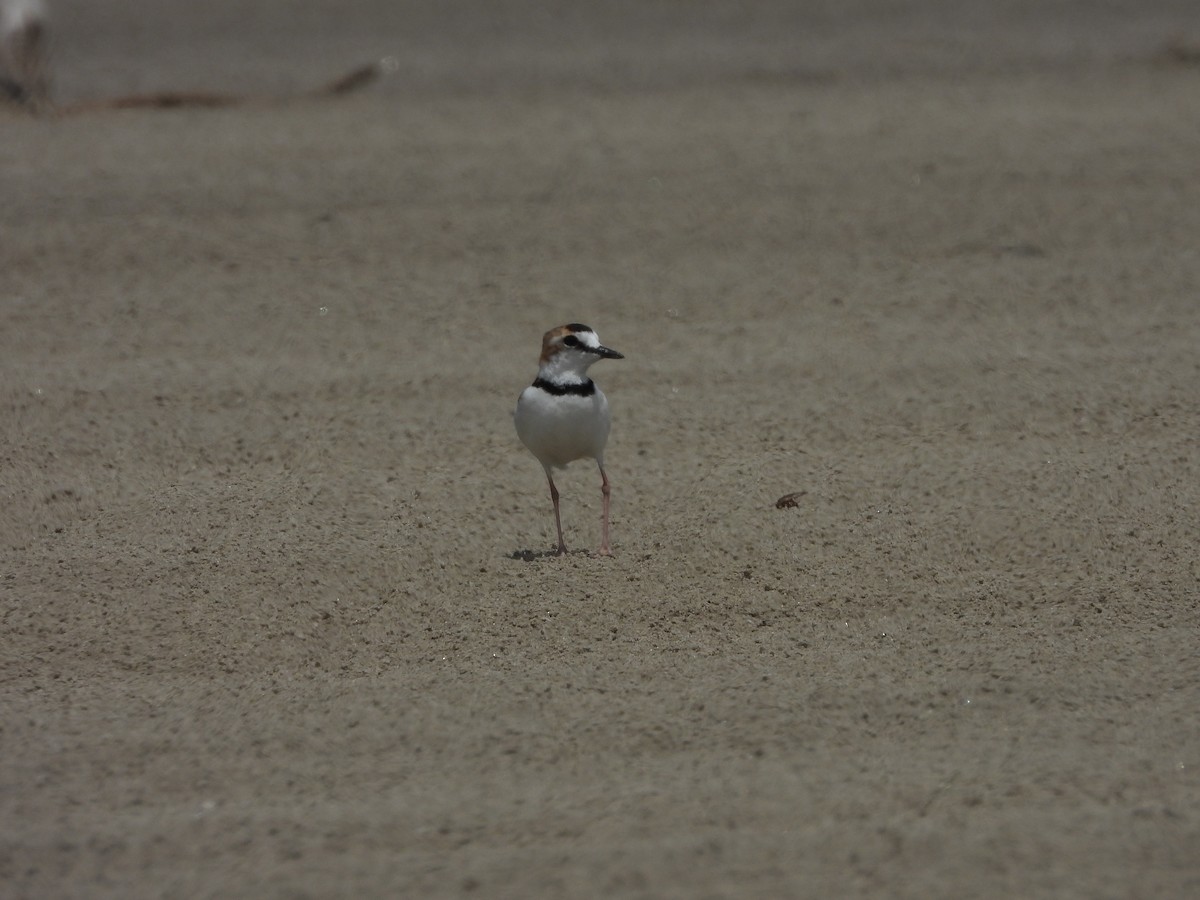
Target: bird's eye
(570, 341)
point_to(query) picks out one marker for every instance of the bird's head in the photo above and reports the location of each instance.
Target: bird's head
(568, 351)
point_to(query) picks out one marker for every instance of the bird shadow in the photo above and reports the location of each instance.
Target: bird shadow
(531, 555)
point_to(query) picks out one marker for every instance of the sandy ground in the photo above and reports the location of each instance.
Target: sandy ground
(276, 615)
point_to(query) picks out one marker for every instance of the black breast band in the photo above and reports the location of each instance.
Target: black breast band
(578, 389)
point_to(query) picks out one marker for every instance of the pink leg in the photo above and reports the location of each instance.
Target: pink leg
(605, 549)
(562, 547)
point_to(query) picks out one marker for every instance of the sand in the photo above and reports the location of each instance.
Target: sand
(277, 614)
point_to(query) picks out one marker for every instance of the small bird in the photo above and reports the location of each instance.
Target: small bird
(563, 416)
(24, 60)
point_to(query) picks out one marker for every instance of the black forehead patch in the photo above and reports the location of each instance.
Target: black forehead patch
(575, 328)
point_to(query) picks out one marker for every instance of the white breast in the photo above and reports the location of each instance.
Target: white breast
(16, 15)
(562, 428)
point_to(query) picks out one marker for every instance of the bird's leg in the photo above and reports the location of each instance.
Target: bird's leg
(562, 546)
(605, 549)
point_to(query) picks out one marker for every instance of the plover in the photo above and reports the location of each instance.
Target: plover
(24, 64)
(563, 416)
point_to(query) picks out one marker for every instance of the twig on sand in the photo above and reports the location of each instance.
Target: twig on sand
(25, 74)
(352, 81)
